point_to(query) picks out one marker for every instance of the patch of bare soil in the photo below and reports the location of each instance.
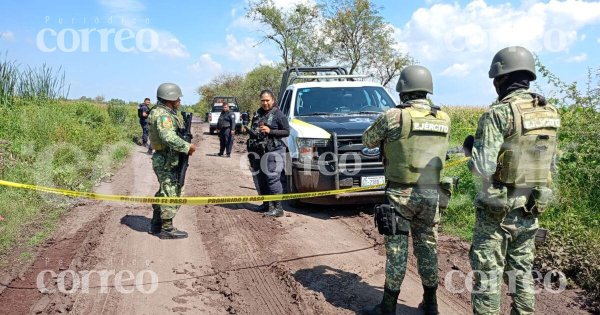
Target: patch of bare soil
(314, 260)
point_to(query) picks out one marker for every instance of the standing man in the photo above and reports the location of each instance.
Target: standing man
(225, 127)
(164, 123)
(414, 137)
(267, 149)
(513, 153)
(143, 112)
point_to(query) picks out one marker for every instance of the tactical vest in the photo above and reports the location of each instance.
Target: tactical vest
(418, 156)
(155, 113)
(525, 157)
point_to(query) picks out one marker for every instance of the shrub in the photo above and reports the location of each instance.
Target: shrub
(117, 112)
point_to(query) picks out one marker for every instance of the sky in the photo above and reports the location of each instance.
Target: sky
(126, 48)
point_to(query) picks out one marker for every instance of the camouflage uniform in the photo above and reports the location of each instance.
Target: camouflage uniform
(164, 123)
(503, 241)
(417, 207)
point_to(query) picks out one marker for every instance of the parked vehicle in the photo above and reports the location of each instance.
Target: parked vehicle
(328, 111)
(217, 108)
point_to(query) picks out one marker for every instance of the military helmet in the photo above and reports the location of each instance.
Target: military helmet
(511, 59)
(415, 78)
(168, 92)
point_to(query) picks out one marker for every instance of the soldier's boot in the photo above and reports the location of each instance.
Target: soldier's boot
(262, 208)
(156, 223)
(168, 231)
(276, 210)
(429, 304)
(387, 305)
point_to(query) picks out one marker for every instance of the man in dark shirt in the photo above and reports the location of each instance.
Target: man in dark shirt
(225, 127)
(143, 112)
(272, 126)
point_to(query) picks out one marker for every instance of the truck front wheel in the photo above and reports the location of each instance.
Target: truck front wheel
(291, 189)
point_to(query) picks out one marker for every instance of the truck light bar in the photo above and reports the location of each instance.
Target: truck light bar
(329, 77)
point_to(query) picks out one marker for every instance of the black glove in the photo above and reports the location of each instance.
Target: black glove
(468, 145)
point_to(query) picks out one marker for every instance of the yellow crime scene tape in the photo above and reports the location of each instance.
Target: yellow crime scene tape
(197, 200)
(186, 200)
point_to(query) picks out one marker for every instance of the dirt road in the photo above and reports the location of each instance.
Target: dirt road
(315, 260)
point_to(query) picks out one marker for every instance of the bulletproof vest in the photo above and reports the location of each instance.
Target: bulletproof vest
(418, 156)
(140, 112)
(268, 118)
(223, 122)
(153, 136)
(526, 155)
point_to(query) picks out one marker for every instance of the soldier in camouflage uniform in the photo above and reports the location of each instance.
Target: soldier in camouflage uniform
(513, 150)
(164, 123)
(414, 136)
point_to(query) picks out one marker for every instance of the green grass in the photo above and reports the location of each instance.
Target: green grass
(62, 144)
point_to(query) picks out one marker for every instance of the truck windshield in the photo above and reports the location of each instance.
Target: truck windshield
(342, 100)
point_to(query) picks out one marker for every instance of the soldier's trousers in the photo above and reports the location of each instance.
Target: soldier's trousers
(164, 167)
(503, 248)
(419, 214)
(225, 141)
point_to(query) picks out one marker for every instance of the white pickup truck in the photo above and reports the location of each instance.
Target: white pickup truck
(217, 108)
(328, 111)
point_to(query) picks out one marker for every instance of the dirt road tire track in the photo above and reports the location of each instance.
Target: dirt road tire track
(315, 260)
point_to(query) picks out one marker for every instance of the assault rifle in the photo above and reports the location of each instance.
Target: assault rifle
(186, 134)
(454, 150)
(258, 140)
(466, 148)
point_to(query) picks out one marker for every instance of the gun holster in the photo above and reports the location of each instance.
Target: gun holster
(447, 186)
(539, 200)
(386, 220)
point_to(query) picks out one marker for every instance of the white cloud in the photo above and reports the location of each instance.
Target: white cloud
(598, 40)
(459, 40)
(245, 23)
(170, 46)
(479, 28)
(248, 23)
(123, 6)
(207, 65)
(457, 70)
(245, 51)
(7, 36)
(578, 58)
(286, 4)
(130, 15)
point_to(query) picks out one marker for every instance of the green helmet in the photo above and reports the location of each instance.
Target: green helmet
(168, 92)
(511, 59)
(413, 79)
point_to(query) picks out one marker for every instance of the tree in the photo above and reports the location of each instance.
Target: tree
(294, 31)
(386, 65)
(360, 37)
(258, 79)
(223, 85)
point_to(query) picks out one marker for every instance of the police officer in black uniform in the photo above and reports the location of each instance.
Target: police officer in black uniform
(143, 112)
(267, 149)
(225, 126)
